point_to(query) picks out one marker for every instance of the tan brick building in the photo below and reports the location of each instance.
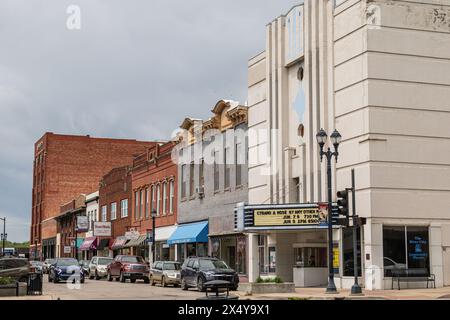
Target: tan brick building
(66, 166)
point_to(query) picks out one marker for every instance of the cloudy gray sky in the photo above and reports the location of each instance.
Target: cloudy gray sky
(135, 69)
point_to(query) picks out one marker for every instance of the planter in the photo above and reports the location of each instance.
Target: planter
(11, 290)
(257, 288)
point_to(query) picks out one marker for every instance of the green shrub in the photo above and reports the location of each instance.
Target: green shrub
(6, 280)
(269, 280)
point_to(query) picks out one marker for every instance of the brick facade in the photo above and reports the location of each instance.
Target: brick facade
(152, 170)
(66, 166)
(114, 187)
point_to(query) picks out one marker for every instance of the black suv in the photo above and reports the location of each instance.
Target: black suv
(196, 271)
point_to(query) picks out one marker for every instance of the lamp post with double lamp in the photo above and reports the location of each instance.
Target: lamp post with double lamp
(335, 138)
(4, 236)
(153, 235)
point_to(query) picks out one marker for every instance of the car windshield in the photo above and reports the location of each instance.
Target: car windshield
(104, 261)
(132, 259)
(212, 264)
(67, 262)
(171, 266)
(36, 263)
(50, 261)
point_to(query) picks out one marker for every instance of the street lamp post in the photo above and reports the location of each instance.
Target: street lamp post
(4, 236)
(153, 235)
(335, 140)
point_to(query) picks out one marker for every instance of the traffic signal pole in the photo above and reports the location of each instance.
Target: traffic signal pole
(356, 288)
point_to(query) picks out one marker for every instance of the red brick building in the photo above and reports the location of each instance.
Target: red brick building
(65, 227)
(64, 167)
(115, 194)
(154, 181)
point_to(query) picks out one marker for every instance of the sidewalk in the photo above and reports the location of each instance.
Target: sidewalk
(319, 294)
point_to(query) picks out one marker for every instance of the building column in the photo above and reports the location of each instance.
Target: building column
(253, 257)
(373, 248)
(436, 260)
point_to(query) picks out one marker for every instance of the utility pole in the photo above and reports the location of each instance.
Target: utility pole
(4, 236)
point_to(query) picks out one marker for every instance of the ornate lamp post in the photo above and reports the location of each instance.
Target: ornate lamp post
(335, 138)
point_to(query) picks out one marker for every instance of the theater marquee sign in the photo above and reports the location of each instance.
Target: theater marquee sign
(287, 216)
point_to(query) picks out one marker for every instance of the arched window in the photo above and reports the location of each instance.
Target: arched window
(158, 199)
(164, 198)
(171, 195)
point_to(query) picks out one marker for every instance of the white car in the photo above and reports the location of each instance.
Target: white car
(46, 265)
(98, 267)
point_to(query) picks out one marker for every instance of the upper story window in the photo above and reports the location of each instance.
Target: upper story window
(124, 208)
(136, 205)
(183, 181)
(147, 204)
(164, 198)
(238, 161)
(201, 173)
(216, 171)
(158, 199)
(152, 202)
(171, 195)
(191, 179)
(142, 206)
(113, 211)
(104, 212)
(227, 164)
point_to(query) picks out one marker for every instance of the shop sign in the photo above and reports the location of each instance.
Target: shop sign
(102, 229)
(82, 224)
(67, 249)
(132, 235)
(336, 257)
(288, 217)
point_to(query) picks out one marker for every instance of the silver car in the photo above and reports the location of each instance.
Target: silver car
(98, 267)
(47, 264)
(165, 272)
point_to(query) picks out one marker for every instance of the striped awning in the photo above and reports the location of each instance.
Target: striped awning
(136, 242)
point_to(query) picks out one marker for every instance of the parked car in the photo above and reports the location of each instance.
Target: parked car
(390, 265)
(128, 267)
(64, 269)
(47, 263)
(84, 264)
(36, 266)
(165, 272)
(196, 271)
(98, 267)
(17, 268)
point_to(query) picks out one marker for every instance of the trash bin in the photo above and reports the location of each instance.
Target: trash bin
(218, 290)
(34, 286)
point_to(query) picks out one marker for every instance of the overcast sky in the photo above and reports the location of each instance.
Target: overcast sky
(135, 69)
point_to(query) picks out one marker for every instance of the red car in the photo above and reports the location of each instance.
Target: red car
(128, 267)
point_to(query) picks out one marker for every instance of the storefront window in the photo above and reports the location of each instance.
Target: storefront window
(215, 247)
(311, 257)
(405, 247)
(263, 267)
(347, 254)
(272, 260)
(202, 249)
(241, 255)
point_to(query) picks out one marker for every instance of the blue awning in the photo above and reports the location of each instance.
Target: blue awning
(190, 233)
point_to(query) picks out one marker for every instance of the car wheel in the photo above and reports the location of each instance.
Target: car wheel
(163, 282)
(146, 280)
(184, 285)
(108, 277)
(90, 276)
(82, 280)
(55, 280)
(122, 278)
(152, 281)
(200, 285)
(132, 280)
(97, 277)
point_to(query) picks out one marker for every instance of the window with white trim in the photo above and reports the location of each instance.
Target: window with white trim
(124, 208)
(171, 195)
(114, 211)
(104, 212)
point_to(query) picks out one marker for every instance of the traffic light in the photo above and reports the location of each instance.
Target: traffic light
(342, 203)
